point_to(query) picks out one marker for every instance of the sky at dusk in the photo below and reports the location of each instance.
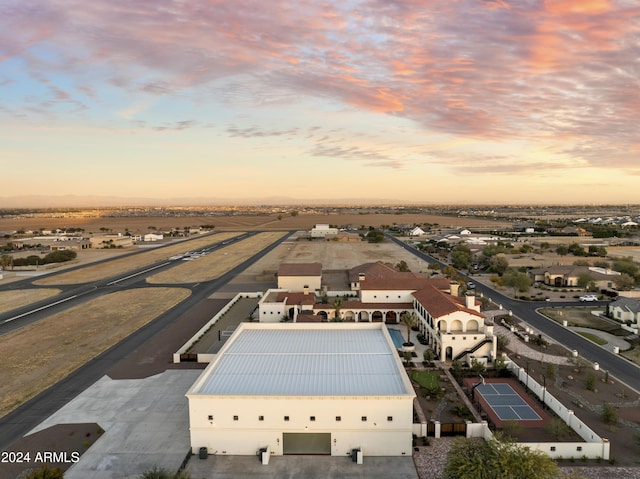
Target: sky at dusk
(443, 101)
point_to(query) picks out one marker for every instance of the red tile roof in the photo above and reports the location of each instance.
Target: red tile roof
(300, 269)
(297, 298)
(439, 303)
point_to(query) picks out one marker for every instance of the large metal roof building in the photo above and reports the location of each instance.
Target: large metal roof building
(304, 388)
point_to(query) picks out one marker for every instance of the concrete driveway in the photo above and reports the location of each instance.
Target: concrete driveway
(296, 467)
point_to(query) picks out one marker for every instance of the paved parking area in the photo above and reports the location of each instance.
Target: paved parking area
(146, 423)
(296, 467)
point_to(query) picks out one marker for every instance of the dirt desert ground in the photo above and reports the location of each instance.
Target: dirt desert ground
(122, 265)
(214, 264)
(140, 225)
(39, 355)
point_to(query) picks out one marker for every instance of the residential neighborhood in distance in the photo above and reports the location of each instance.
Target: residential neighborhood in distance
(419, 309)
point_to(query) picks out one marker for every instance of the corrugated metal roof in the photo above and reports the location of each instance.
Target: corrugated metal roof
(304, 362)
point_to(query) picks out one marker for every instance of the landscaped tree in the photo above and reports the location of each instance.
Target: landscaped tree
(562, 250)
(337, 306)
(427, 355)
(503, 342)
(403, 266)
(461, 256)
(557, 428)
(586, 281)
(498, 264)
(511, 430)
(551, 372)
(579, 363)
(608, 414)
(375, 236)
(624, 282)
(409, 320)
(494, 459)
(6, 261)
(597, 251)
(477, 366)
(626, 265)
(517, 280)
(577, 250)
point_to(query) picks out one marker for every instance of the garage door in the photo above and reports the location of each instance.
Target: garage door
(306, 443)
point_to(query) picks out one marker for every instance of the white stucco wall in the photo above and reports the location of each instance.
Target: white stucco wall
(386, 296)
(376, 436)
(297, 283)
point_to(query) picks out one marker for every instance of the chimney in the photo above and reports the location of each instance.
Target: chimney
(470, 301)
(453, 288)
(361, 277)
(305, 289)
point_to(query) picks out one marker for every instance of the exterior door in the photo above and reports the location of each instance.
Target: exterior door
(306, 443)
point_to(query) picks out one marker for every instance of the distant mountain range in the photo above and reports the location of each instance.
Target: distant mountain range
(77, 201)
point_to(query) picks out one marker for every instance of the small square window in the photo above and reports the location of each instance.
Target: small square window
(553, 448)
(235, 418)
(579, 448)
(389, 418)
(260, 418)
(338, 418)
(286, 418)
(464, 338)
(312, 418)
(364, 418)
(210, 417)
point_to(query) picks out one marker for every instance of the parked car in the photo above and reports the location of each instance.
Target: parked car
(588, 297)
(471, 284)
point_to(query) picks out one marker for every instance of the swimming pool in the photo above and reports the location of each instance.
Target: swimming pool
(397, 338)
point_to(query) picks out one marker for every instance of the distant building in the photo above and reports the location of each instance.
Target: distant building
(560, 276)
(322, 231)
(110, 241)
(153, 237)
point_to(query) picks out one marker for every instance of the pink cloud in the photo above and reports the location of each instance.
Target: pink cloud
(492, 69)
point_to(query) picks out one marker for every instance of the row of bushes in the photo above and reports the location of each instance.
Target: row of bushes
(53, 257)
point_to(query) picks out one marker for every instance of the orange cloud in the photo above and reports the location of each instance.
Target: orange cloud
(562, 7)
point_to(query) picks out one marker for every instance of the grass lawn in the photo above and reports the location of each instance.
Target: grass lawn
(593, 338)
(426, 379)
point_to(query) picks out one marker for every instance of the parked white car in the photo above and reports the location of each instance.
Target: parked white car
(588, 297)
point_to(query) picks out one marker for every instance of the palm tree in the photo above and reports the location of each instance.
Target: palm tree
(410, 320)
(337, 305)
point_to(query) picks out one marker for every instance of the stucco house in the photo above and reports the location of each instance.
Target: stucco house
(453, 327)
(563, 276)
(625, 310)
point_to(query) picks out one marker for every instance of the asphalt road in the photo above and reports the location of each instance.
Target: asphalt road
(20, 421)
(617, 366)
(75, 294)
